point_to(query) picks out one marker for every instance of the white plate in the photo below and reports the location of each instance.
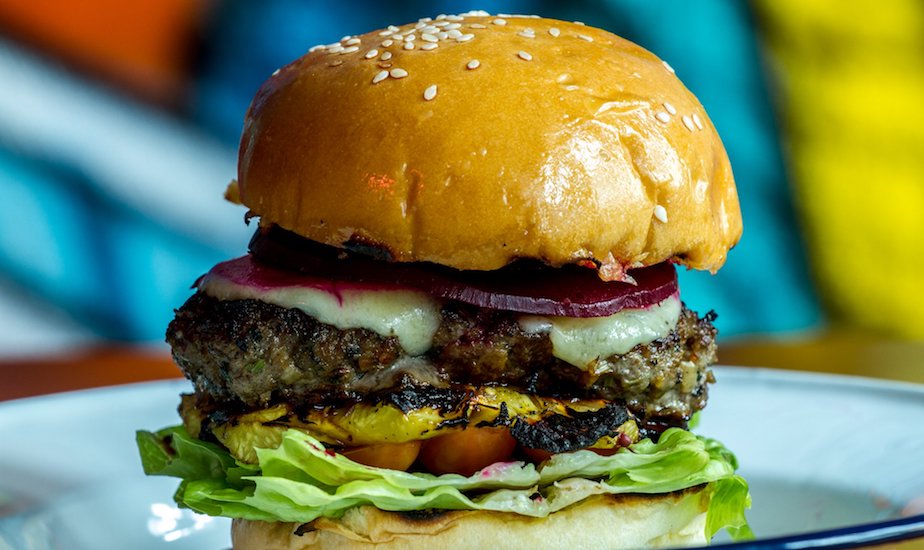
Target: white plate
(820, 453)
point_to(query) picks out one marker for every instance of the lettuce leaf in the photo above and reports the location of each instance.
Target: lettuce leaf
(729, 500)
(301, 480)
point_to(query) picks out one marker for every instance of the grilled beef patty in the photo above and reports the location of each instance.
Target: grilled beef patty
(247, 354)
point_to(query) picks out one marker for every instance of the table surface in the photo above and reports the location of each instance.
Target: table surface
(835, 352)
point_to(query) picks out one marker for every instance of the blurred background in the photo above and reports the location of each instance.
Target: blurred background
(119, 124)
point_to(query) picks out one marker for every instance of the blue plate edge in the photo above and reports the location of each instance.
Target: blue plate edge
(853, 536)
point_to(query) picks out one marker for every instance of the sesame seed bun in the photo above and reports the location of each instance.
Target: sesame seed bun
(505, 138)
(604, 521)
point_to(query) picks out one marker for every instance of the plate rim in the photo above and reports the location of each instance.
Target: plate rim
(853, 536)
(82, 393)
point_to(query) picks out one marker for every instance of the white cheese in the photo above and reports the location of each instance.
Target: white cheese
(411, 316)
(582, 341)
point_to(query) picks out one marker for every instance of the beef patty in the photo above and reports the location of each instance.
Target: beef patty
(247, 354)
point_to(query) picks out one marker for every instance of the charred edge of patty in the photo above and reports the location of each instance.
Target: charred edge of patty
(248, 355)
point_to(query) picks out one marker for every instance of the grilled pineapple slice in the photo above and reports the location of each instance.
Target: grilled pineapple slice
(374, 423)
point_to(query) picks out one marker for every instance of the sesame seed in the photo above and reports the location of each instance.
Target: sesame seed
(379, 76)
(316, 48)
(398, 72)
(442, 35)
(331, 45)
(410, 38)
(425, 19)
(336, 62)
(697, 121)
(670, 108)
(388, 43)
(579, 23)
(663, 117)
(440, 17)
(455, 18)
(430, 92)
(524, 56)
(527, 33)
(465, 37)
(386, 56)
(585, 37)
(393, 28)
(454, 33)
(688, 122)
(554, 32)
(351, 49)
(335, 49)
(440, 24)
(660, 213)
(408, 45)
(668, 67)
(420, 25)
(499, 21)
(452, 26)
(473, 64)
(427, 37)
(371, 53)
(478, 26)
(353, 41)
(275, 72)
(386, 33)
(429, 46)
(430, 29)
(346, 37)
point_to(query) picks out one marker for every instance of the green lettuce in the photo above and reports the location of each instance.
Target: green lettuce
(301, 480)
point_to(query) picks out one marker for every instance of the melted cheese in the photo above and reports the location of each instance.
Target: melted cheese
(583, 341)
(409, 315)
(413, 317)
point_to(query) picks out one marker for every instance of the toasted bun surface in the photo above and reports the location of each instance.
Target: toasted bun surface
(605, 521)
(564, 143)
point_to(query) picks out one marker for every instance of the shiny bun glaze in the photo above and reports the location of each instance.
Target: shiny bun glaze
(565, 143)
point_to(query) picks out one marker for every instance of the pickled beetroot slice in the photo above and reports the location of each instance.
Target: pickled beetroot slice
(524, 286)
(569, 291)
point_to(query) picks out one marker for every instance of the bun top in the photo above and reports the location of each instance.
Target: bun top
(473, 140)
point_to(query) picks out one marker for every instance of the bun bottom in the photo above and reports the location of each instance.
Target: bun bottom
(602, 521)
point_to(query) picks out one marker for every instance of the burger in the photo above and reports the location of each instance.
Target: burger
(458, 323)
